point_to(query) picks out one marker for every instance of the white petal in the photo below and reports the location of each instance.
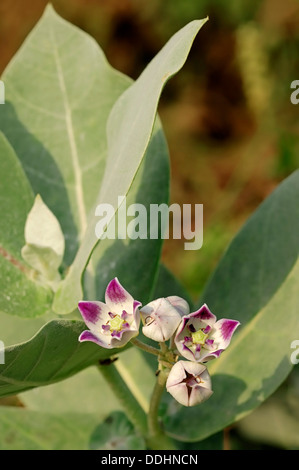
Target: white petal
(180, 304)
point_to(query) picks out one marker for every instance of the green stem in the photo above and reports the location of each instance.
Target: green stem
(158, 440)
(146, 347)
(132, 408)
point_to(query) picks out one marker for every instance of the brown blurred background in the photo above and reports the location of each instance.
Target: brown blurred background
(231, 128)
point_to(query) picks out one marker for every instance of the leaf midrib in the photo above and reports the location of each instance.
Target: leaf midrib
(72, 140)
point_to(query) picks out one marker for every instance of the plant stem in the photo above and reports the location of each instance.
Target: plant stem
(157, 438)
(132, 408)
(146, 347)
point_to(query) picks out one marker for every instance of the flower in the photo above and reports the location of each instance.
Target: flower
(162, 317)
(114, 323)
(189, 383)
(201, 338)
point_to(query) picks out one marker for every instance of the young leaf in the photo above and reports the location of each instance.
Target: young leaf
(44, 247)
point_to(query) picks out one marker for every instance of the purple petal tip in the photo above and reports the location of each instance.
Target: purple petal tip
(89, 310)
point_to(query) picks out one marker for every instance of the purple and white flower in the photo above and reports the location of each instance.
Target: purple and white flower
(189, 383)
(162, 316)
(114, 323)
(201, 338)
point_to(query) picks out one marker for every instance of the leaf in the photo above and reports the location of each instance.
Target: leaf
(59, 93)
(113, 257)
(275, 422)
(91, 391)
(129, 130)
(44, 247)
(53, 354)
(116, 433)
(168, 285)
(43, 229)
(256, 282)
(22, 429)
(19, 294)
(66, 165)
(16, 329)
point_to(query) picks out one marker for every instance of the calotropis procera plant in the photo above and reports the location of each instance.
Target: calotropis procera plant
(75, 133)
(198, 337)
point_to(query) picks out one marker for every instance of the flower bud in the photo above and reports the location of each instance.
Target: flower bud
(189, 383)
(162, 316)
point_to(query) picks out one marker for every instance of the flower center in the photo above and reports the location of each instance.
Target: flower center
(191, 381)
(116, 324)
(199, 337)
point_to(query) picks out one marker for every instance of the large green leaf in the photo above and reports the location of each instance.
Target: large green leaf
(53, 354)
(56, 117)
(19, 294)
(59, 93)
(257, 283)
(115, 257)
(129, 129)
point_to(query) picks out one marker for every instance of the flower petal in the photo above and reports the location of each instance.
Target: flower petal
(89, 336)
(199, 394)
(204, 314)
(223, 331)
(176, 375)
(179, 393)
(117, 298)
(121, 338)
(180, 304)
(94, 313)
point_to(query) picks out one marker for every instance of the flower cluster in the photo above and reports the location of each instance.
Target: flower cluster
(197, 336)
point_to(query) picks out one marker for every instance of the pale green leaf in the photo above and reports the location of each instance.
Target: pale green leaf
(19, 294)
(53, 354)
(44, 239)
(59, 93)
(129, 130)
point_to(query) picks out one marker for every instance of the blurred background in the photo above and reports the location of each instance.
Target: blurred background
(231, 128)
